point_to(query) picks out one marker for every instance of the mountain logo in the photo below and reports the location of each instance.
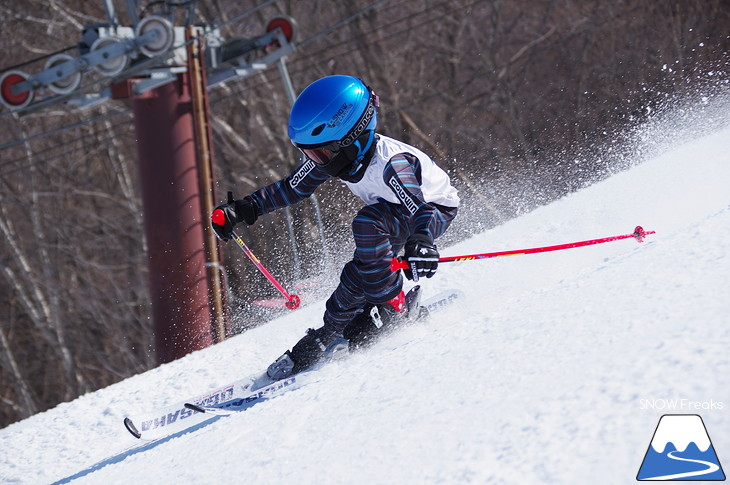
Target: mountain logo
(680, 450)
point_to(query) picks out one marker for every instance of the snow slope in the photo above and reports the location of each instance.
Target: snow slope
(553, 370)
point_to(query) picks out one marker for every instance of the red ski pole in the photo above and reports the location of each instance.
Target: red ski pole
(638, 234)
(292, 301)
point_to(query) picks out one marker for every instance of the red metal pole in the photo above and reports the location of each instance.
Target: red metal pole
(179, 288)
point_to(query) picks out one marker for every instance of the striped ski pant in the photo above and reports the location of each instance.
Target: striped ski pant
(380, 231)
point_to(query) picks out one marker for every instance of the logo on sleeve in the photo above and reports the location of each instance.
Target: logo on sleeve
(401, 193)
(301, 173)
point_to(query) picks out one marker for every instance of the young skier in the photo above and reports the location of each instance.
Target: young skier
(409, 203)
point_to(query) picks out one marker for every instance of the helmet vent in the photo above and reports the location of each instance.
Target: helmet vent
(318, 129)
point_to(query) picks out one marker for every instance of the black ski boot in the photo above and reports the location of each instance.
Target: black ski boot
(315, 347)
(378, 319)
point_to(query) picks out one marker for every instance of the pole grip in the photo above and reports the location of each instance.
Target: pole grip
(397, 264)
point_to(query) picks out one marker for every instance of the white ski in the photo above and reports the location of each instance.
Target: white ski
(239, 395)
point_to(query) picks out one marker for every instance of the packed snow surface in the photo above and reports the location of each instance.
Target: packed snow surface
(554, 368)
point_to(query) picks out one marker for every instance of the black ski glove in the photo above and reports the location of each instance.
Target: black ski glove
(422, 257)
(227, 215)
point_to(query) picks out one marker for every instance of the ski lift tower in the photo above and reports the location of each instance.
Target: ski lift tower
(164, 70)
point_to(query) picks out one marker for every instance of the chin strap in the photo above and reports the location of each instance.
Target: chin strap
(361, 152)
(361, 157)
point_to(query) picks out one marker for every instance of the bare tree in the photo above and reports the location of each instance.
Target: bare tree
(521, 101)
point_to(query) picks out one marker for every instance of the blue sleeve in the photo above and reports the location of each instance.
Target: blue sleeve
(403, 175)
(294, 188)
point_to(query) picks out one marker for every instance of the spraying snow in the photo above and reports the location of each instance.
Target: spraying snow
(537, 377)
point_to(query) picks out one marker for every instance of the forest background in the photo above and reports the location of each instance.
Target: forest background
(521, 101)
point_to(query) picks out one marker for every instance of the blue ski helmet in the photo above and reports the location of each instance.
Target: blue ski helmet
(333, 123)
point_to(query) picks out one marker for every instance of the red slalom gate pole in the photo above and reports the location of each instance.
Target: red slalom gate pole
(639, 234)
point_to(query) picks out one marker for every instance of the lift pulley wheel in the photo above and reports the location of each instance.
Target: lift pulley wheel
(18, 100)
(164, 39)
(62, 84)
(113, 66)
(286, 24)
